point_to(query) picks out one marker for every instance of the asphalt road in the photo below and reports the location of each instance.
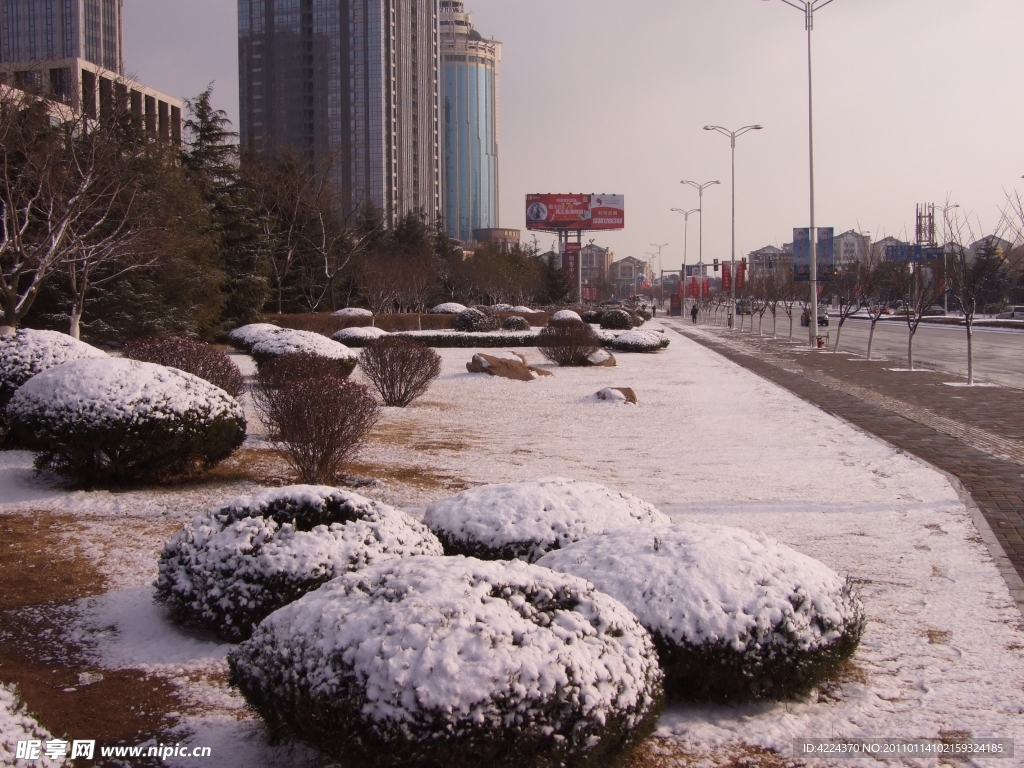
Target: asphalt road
(998, 353)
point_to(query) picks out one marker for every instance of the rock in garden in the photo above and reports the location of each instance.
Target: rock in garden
(618, 395)
(735, 616)
(229, 569)
(456, 662)
(602, 359)
(507, 365)
(525, 520)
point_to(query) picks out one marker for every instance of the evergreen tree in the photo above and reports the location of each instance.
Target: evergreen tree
(557, 283)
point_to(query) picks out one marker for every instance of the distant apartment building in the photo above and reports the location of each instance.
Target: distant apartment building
(769, 257)
(851, 247)
(625, 274)
(350, 87)
(505, 239)
(72, 52)
(469, 123)
(596, 263)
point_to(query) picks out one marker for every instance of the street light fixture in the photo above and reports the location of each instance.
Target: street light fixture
(700, 215)
(809, 7)
(661, 288)
(945, 258)
(686, 232)
(732, 141)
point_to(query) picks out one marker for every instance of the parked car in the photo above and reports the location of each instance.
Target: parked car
(934, 311)
(805, 318)
(1011, 313)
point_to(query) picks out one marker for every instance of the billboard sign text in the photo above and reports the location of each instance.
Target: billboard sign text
(547, 212)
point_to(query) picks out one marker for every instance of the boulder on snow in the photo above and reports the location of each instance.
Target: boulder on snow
(433, 661)
(602, 359)
(507, 365)
(618, 395)
(525, 520)
(735, 617)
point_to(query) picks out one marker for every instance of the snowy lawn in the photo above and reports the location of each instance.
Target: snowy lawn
(709, 442)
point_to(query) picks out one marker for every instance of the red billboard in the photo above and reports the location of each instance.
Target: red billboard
(571, 261)
(547, 212)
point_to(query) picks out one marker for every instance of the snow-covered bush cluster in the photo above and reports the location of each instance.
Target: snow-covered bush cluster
(734, 616)
(358, 337)
(104, 419)
(455, 662)
(522, 309)
(502, 308)
(616, 319)
(460, 340)
(203, 360)
(565, 317)
(639, 340)
(29, 352)
(231, 568)
(475, 321)
(265, 342)
(449, 308)
(353, 312)
(528, 519)
(515, 323)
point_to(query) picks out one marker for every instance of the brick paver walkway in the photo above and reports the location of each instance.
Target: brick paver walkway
(976, 435)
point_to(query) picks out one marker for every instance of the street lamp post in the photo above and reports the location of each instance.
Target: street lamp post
(661, 288)
(945, 260)
(686, 233)
(809, 7)
(732, 141)
(700, 215)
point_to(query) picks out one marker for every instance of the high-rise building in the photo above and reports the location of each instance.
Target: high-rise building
(37, 30)
(350, 86)
(469, 115)
(72, 51)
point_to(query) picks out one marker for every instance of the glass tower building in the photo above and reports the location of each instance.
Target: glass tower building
(46, 30)
(351, 86)
(469, 109)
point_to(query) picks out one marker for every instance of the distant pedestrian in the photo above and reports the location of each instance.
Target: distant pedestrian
(693, 313)
(654, 310)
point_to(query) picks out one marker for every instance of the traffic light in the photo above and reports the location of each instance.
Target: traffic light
(716, 265)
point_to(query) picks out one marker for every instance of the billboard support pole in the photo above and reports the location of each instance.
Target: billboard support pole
(579, 265)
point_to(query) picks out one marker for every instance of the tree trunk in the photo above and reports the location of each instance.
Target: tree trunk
(839, 333)
(970, 351)
(760, 322)
(791, 327)
(7, 330)
(910, 349)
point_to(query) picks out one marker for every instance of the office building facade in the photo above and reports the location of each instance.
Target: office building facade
(40, 30)
(469, 118)
(351, 88)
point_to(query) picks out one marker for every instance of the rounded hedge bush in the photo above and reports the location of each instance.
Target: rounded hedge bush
(616, 320)
(502, 308)
(117, 420)
(735, 616)
(528, 519)
(640, 341)
(565, 317)
(448, 308)
(569, 343)
(29, 352)
(358, 337)
(475, 321)
(203, 360)
(233, 567)
(592, 316)
(516, 323)
(244, 337)
(352, 312)
(521, 308)
(289, 342)
(434, 661)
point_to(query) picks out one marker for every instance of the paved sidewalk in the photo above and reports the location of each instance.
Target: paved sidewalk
(975, 435)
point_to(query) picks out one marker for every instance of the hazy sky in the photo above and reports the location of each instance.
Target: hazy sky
(915, 101)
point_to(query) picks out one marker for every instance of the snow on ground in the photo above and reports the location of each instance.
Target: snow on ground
(16, 726)
(709, 442)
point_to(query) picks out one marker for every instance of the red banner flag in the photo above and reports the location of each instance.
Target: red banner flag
(707, 286)
(726, 278)
(694, 288)
(741, 277)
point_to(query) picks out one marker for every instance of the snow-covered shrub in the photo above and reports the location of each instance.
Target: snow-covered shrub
(523, 309)
(287, 341)
(231, 568)
(358, 337)
(460, 340)
(102, 420)
(502, 308)
(568, 344)
(640, 341)
(616, 320)
(515, 323)
(475, 321)
(401, 369)
(525, 520)
(202, 360)
(448, 308)
(435, 661)
(29, 352)
(734, 616)
(352, 312)
(565, 317)
(644, 316)
(244, 337)
(592, 316)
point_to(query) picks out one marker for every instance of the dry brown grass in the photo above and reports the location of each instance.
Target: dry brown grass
(666, 753)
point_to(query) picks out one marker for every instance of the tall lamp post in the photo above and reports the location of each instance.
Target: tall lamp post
(661, 288)
(686, 232)
(700, 215)
(945, 260)
(732, 141)
(808, 7)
